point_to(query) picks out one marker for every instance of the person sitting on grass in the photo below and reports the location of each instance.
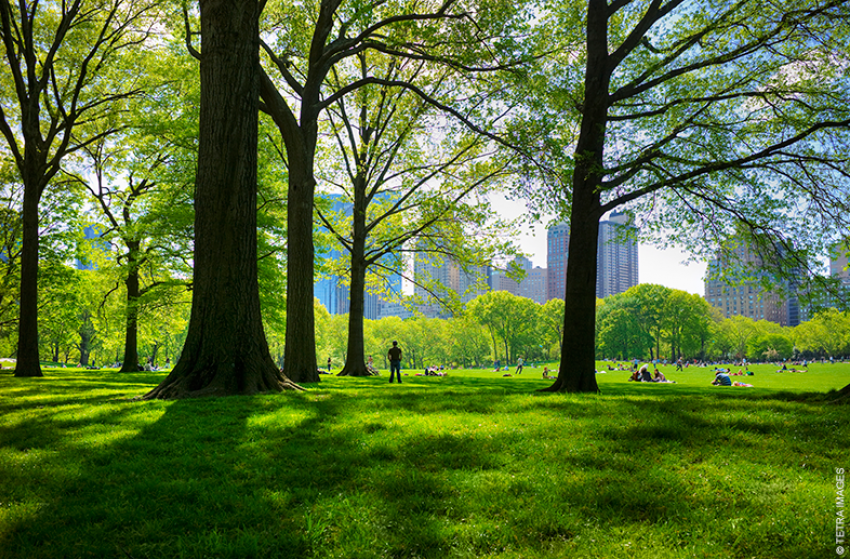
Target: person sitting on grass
(370, 366)
(722, 379)
(659, 377)
(641, 375)
(546, 373)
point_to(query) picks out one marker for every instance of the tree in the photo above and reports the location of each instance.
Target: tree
(553, 323)
(384, 332)
(770, 347)
(730, 114)
(739, 330)
(827, 333)
(511, 320)
(10, 252)
(302, 54)
(468, 341)
(226, 350)
(406, 190)
(61, 310)
(621, 332)
(687, 322)
(146, 214)
(64, 67)
(139, 179)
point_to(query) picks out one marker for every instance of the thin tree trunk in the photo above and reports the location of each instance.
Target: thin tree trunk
(154, 351)
(299, 360)
(226, 350)
(131, 333)
(355, 364)
(27, 358)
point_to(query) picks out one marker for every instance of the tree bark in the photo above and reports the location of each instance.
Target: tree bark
(226, 350)
(299, 353)
(355, 362)
(578, 360)
(27, 358)
(355, 357)
(131, 330)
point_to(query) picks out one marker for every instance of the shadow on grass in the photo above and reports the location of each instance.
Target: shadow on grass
(418, 470)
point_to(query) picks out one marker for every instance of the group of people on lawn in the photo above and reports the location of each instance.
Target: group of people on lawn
(642, 374)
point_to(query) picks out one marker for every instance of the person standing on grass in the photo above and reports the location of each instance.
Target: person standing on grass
(518, 366)
(394, 355)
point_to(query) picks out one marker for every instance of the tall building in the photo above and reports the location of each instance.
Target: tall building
(780, 305)
(441, 275)
(333, 291)
(531, 286)
(557, 254)
(838, 266)
(534, 285)
(838, 270)
(501, 281)
(616, 258)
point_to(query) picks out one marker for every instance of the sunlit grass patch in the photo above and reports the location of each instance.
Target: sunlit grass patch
(469, 465)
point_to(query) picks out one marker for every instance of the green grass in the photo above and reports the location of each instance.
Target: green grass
(469, 465)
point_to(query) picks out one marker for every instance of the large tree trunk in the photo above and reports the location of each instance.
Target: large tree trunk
(578, 360)
(226, 350)
(27, 359)
(131, 331)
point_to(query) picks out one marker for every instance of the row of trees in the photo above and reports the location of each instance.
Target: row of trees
(655, 322)
(646, 322)
(731, 119)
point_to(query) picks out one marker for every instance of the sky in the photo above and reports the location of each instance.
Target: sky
(664, 267)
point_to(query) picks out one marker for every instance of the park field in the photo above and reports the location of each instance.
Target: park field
(468, 465)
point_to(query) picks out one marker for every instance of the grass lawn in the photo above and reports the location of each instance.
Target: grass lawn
(468, 465)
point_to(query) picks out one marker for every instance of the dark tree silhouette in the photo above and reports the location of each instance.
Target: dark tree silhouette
(226, 350)
(717, 127)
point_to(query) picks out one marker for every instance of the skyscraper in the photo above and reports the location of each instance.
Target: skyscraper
(838, 266)
(333, 291)
(838, 270)
(531, 286)
(616, 258)
(438, 276)
(534, 286)
(780, 304)
(557, 254)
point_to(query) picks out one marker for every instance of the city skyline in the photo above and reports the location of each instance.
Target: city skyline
(667, 267)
